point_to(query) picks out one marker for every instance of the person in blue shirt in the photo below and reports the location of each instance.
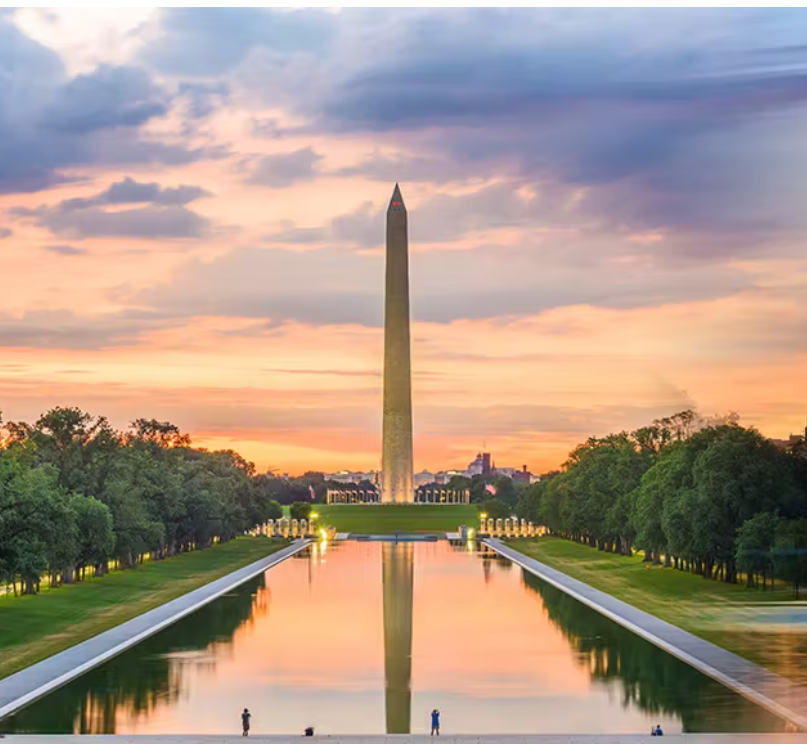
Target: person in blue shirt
(657, 731)
(435, 722)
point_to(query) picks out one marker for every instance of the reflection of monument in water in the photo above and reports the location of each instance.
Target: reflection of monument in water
(397, 566)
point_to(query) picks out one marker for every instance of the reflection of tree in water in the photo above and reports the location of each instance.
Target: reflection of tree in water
(150, 674)
(649, 678)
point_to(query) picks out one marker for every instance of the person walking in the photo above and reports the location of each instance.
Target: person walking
(435, 722)
(245, 716)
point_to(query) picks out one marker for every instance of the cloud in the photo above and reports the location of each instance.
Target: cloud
(144, 222)
(52, 125)
(671, 116)
(330, 286)
(63, 329)
(202, 99)
(106, 98)
(213, 41)
(285, 169)
(65, 250)
(450, 218)
(129, 191)
(5, 232)
(408, 168)
(164, 216)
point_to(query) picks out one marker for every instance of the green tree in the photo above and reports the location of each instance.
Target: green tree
(494, 508)
(273, 511)
(755, 538)
(300, 510)
(529, 502)
(506, 491)
(95, 534)
(790, 552)
(738, 475)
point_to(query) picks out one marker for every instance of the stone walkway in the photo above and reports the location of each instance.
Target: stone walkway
(24, 687)
(782, 697)
(421, 739)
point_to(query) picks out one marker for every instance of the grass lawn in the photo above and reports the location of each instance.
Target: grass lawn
(702, 607)
(378, 519)
(35, 627)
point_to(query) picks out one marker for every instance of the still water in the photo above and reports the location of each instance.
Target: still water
(367, 638)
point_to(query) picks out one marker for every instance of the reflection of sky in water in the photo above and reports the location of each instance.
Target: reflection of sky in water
(495, 651)
(792, 616)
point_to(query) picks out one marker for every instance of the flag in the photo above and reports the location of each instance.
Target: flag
(490, 488)
(311, 490)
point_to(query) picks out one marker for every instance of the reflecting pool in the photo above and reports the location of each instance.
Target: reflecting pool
(369, 637)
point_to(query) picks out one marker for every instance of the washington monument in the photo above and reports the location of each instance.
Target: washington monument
(396, 457)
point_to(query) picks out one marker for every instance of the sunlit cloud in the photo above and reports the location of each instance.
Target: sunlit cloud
(605, 220)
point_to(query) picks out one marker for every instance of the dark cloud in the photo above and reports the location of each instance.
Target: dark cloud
(202, 99)
(65, 250)
(285, 169)
(50, 123)
(144, 222)
(129, 191)
(5, 232)
(200, 42)
(164, 216)
(673, 116)
(106, 98)
(62, 329)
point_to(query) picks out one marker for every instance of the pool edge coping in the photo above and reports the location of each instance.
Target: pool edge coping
(542, 570)
(245, 573)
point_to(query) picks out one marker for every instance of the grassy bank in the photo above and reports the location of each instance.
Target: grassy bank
(35, 627)
(378, 519)
(708, 609)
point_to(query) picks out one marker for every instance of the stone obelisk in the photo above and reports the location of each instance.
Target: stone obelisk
(396, 457)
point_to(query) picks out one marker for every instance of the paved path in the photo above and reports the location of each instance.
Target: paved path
(24, 687)
(779, 695)
(421, 739)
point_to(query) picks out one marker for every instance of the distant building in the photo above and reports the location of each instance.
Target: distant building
(517, 475)
(787, 445)
(423, 478)
(349, 476)
(480, 466)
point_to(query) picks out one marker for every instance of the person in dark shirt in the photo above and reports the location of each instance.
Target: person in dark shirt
(245, 716)
(658, 731)
(435, 722)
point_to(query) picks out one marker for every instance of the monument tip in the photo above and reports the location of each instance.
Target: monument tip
(396, 202)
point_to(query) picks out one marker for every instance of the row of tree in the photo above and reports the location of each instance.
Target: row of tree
(75, 493)
(708, 496)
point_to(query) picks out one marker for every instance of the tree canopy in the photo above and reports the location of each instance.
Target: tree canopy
(705, 495)
(75, 493)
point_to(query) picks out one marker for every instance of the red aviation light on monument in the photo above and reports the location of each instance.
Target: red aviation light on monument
(396, 203)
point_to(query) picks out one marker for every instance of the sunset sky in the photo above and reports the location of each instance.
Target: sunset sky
(606, 211)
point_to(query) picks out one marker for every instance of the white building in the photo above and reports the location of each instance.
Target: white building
(424, 477)
(349, 476)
